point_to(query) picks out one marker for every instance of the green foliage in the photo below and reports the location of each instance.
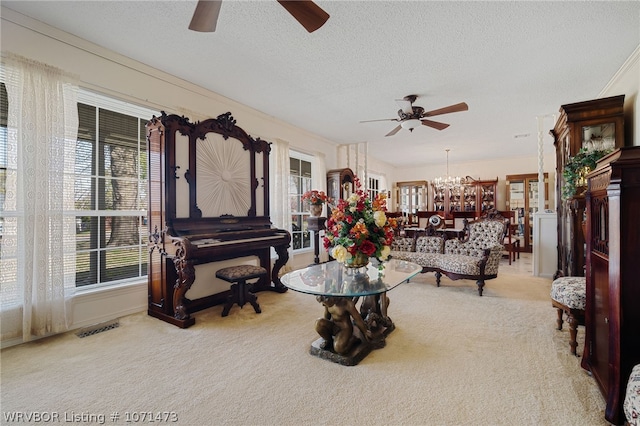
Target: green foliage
(577, 168)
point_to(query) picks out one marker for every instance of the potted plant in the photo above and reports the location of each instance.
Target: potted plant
(576, 170)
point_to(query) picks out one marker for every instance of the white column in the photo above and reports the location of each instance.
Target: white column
(545, 237)
(366, 173)
(356, 156)
(348, 147)
(540, 164)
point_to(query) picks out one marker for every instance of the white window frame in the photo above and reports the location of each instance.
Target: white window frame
(142, 113)
(302, 213)
(373, 192)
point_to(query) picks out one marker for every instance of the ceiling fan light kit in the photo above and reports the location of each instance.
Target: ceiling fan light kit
(411, 124)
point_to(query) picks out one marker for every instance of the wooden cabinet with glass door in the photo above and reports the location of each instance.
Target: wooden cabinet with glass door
(447, 201)
(470, 195)
(479, 195)
(522, 197)
(411, 197)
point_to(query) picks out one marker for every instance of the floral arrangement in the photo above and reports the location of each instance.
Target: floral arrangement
(359, 226)
(315, 197)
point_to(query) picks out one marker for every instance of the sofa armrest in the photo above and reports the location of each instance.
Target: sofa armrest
(493, 261)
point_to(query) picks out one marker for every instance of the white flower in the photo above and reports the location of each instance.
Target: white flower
(340, 254)
(380, 218)
(384, 252)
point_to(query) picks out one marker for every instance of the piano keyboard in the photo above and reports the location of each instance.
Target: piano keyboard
(210, 242)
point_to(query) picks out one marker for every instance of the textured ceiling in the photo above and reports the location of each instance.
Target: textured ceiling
(509, 61)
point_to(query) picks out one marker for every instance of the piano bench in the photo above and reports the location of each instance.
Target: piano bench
(240, 294)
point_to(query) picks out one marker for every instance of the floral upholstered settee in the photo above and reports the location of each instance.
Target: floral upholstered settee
(476, 256)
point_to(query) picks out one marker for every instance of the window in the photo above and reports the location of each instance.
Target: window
(299, 183)
(373, 188)
(110, 191)
(110, 188)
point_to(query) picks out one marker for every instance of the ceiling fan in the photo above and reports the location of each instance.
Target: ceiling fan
(310, 15)
(411, 116)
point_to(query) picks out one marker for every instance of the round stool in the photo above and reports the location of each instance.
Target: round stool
(569, 296)
(240, 294)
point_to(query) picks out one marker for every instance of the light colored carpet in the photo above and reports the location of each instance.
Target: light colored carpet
(454, 359)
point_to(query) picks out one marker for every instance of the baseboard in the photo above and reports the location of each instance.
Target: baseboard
(105, 304)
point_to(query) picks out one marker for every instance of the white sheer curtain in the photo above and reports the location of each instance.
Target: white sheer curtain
(319, 175)
(280, 208)
(37, 254)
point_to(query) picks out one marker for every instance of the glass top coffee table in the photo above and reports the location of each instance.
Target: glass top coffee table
(339, 289)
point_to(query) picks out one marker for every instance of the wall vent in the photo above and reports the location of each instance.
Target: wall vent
(98, 328)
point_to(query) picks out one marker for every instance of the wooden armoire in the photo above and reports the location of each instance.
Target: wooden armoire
(583, 124)
(612, 316)
(473, 195)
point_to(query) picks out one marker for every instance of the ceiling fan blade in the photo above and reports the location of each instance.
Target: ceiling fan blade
(434, 124)
(382, 119)
(405, 105)
(446, 110)
(309, 14)
(394, 131)
(205, 17)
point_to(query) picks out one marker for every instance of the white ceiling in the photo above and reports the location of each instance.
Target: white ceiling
(509, 61)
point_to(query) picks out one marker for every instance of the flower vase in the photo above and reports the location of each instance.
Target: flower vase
(315, 209)
(359, 260)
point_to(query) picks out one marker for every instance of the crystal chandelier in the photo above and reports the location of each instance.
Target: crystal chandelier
(447, 182)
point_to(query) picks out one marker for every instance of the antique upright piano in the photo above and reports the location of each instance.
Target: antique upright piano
(208, 202)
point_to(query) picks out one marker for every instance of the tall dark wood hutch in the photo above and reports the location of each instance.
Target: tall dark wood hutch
(472, 196)
(612, 320)
(480, 195)
(596, 123)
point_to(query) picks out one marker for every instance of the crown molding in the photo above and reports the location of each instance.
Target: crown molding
(631, 61)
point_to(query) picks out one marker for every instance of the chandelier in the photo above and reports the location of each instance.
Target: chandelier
(448, 182)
